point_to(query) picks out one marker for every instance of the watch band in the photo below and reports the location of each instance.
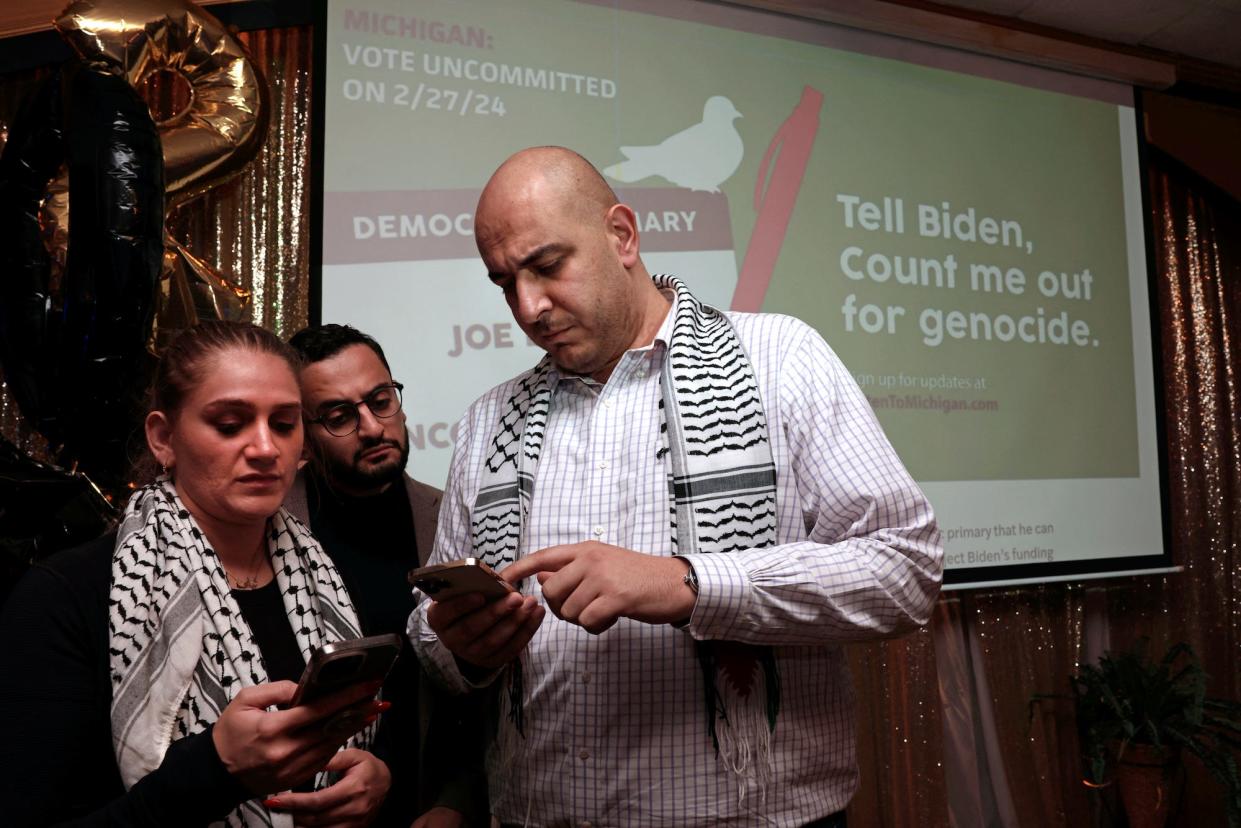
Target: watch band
(691, 578)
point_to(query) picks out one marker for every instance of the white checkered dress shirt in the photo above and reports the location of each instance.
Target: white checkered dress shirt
(615, 724)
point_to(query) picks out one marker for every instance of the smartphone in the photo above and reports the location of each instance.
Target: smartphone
(449, 580)
(340, 664)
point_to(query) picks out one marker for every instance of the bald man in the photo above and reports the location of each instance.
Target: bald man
(707, 507)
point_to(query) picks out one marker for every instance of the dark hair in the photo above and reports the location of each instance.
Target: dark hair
(181, 367)
(315, 344)
(320, 342)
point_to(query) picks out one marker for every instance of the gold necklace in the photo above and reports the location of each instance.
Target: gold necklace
(245, 583)
(256, 568)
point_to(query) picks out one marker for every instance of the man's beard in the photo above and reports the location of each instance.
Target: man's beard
(358, 478)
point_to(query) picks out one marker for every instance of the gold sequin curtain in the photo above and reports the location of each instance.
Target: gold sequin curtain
(257, 227)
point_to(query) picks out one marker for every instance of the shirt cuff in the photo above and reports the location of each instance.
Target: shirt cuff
(723, 595)
(437, 661)
(476, 677)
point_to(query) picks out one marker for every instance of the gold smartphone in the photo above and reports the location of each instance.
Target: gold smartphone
(341, 664)
(450, 580)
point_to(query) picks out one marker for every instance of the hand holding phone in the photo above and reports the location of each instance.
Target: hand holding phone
(343, 664)
(443, 582)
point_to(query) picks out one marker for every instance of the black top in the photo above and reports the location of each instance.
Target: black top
(264, 611)
(371, 540)
(56, 760)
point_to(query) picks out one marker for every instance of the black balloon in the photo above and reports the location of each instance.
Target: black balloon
(75, 354)
(29, 313)
(116, 250)
(45, 509)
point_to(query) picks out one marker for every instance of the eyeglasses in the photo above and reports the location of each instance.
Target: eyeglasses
(342, 419)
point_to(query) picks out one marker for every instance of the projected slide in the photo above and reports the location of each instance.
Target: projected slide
(965, 233)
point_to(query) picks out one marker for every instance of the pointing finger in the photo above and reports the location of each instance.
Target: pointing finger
(550, 559)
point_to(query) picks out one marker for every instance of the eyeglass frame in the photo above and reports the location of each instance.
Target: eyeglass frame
(357, 409)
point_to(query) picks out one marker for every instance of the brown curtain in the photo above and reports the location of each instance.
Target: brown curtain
(1197, 230)
(1030, 642)
(1198, 251)
(899, 747)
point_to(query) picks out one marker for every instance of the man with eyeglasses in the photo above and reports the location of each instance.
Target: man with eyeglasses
(377, 523)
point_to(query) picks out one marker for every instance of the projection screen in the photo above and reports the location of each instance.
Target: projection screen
(967, 233)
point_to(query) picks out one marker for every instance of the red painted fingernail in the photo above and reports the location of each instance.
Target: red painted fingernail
(272, 802)
(383, 706)
(370, 719)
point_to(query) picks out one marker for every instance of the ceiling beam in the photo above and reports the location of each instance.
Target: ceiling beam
(998, 37)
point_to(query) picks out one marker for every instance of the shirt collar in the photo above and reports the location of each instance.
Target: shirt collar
(664, 335)
(655, 351)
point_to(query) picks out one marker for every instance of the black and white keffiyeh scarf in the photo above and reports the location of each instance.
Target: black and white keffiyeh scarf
(722, 498)
(179, 648)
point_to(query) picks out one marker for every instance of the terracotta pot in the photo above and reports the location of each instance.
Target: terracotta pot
(1146, 777)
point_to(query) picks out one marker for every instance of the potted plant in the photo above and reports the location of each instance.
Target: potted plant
(1135, 717)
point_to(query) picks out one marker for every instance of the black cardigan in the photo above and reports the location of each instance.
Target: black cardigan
(57, 765)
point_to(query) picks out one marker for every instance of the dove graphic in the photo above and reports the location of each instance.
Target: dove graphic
(700, 157)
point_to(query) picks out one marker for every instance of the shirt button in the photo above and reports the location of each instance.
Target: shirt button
(598, 530)
(603, 464)
(607, 404)
(586, 824)
(584, 755)
(585, 678)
